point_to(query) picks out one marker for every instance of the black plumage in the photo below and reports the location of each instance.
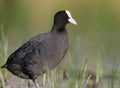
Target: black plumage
(42, 51)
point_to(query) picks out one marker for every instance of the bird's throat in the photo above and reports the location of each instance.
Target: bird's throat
(59, 29)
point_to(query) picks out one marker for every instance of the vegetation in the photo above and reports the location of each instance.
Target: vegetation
(94, 44)
(3, 54)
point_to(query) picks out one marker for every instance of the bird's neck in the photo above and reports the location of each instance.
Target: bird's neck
(59, 28)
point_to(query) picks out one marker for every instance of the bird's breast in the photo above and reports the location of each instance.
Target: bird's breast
(55, 50)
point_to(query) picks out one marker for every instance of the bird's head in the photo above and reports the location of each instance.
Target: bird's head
(63, 17)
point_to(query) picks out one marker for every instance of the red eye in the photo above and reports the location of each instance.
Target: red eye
(65, 15)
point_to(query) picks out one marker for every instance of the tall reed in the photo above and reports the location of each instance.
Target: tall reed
(3, 54)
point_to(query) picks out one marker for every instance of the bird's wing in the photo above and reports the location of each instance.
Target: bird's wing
(26, 52)
(27, 59)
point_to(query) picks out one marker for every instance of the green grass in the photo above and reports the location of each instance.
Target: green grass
(3, 54)
(73, 82)
(84, 68)
(98, 25)
(53, 77)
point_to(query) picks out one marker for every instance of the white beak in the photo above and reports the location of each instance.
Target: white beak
(71, 20)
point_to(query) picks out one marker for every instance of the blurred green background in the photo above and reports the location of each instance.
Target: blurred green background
(96, 37)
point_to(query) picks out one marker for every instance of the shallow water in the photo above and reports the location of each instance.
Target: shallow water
(15, 82)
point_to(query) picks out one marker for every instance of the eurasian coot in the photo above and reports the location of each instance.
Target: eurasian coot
(43, 51)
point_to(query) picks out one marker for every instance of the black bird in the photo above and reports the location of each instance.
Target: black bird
(43, 51)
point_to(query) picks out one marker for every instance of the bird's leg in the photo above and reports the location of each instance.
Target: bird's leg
(36, 83)
(29, 83)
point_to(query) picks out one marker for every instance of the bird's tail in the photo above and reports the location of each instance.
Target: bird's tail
(4, 66)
